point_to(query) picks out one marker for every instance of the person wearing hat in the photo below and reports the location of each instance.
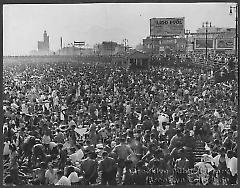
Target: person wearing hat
(138, 147)
(71, 121)
(63, 154)
(93, 134)
(72, 175)
(13, 163)
(53, 146)
(59, 138)
(182, 165)
(103, 134)
(206, 169)
(89, 146)
(147, 123)
(175, 139)
(5, 132)
(72, 135)
(216, 145)
(108, 167)
(128, 174)
(122, 151)
(63, 128)
(188, 141)
(140, 177)
(220, 161)
(38, 151)
(6, 149)
(146, 137)
(89, 167)
(46, 139)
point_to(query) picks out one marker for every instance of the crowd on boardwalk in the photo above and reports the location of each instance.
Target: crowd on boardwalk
(74, 123)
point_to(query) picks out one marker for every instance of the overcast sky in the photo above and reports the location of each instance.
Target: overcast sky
(23, 25)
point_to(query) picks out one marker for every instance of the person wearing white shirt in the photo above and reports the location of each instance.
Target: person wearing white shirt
(56, 101)
(162, 118)
(221, 162)
(128, 108)
(51, 175)
(104, 133)
(46, 139)
(24, 108)
(52, 145)
(205, 166)
(73, 176)
(6, 150)
(216, 114)
(232, 166)
(62, 180)
(222, 155)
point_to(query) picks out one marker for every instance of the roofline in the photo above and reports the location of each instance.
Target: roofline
(135, 51)
(223, 32)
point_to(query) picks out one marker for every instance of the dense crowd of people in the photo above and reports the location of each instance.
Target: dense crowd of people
(82, 124)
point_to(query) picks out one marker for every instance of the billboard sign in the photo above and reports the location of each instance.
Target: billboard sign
(167, 26)
(78, 43)
(224, 43)
(201, 43)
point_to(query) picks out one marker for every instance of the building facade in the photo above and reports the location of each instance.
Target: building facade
(219, 40)
(156, 45)
(43, 46)
(108, 48)
(75, 51)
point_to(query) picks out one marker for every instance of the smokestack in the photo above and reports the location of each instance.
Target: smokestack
(61, 42)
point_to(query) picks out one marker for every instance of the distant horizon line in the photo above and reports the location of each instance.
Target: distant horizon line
(92, 46)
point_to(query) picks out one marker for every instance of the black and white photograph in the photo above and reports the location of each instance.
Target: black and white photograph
(120, 94)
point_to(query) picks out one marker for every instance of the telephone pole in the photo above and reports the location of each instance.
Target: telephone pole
(236, 37)
(188, 32)
(206, 25)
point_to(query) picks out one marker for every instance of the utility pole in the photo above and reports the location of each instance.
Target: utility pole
(111, 50)
(187, 33)
(152, 46)
(236, 34)
(207, 25)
